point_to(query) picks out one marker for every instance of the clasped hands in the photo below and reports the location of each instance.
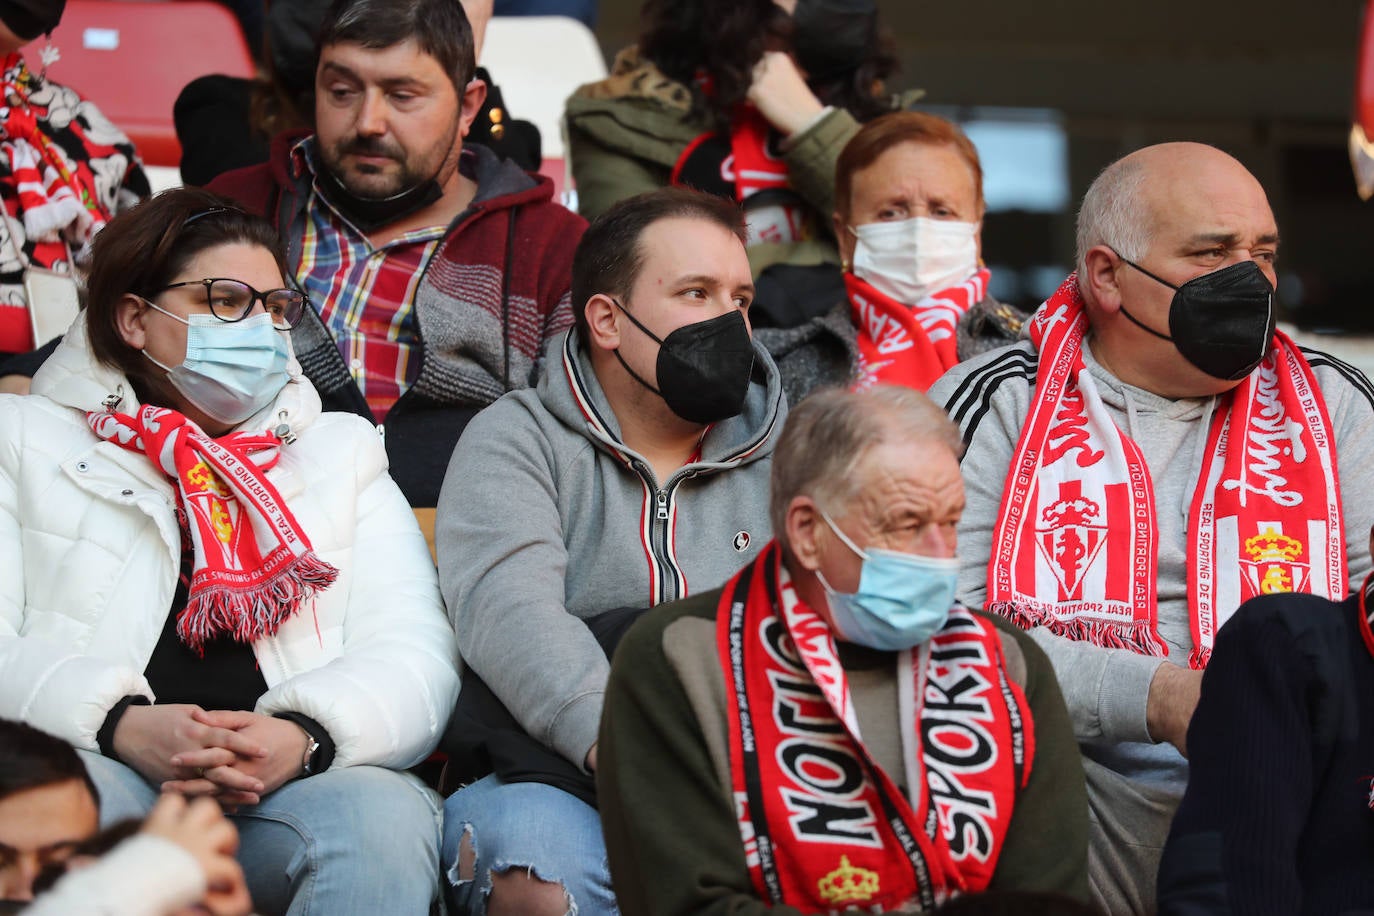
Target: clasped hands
(235, 756)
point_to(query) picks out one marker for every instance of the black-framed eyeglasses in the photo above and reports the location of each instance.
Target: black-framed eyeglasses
(233, 300)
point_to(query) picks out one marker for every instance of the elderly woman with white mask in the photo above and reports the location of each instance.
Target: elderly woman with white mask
(909, 209)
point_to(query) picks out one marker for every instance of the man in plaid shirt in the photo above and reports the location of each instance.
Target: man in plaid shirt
(437, 272)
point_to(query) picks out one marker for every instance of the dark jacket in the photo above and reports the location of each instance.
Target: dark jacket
(1277, 817)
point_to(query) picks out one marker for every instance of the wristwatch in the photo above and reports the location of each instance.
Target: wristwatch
(311, 748)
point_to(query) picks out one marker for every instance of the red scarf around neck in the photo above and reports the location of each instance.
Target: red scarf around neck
(253, 566)
(824, 827)
(1074, 545)
(909, 345)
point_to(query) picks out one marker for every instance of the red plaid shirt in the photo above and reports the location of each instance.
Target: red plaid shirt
(366, 297)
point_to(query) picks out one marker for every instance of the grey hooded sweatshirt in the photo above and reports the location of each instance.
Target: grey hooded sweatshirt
(1134, 784)
(546, 518)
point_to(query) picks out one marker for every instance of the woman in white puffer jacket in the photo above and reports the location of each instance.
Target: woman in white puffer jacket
(211, 587)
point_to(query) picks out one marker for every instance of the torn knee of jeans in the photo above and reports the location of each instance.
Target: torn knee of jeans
(465, 865)
(502, 869)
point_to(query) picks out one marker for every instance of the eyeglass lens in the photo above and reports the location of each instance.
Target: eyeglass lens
(231, 300)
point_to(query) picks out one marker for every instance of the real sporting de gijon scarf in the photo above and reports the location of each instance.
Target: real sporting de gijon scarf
(824, 827)
(1074, 546)
(253, 565)
(909, 345)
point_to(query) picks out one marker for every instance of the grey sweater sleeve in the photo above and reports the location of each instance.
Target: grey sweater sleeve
(502, 567)
(1105, 689)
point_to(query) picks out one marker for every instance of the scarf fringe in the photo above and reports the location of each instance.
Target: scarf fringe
(1139, 638)
(248, 614)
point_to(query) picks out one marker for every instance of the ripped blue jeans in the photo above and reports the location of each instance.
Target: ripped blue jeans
(527, 826)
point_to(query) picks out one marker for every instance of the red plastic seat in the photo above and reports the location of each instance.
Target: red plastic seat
(132, 58)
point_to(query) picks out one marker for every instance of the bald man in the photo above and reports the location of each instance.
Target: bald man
(1155, 454)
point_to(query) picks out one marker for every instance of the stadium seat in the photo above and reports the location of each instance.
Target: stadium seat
(538, 61)
(426, 520)
(132, 57)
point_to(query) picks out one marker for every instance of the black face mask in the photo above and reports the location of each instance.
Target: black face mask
(30, 18)
(373, 213)
(831, 37)
(1221, 322)
(703, 368)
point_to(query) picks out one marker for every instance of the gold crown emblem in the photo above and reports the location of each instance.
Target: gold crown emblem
(1269, 546)
(848, 883)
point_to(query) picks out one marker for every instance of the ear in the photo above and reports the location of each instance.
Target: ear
(131, 313)
(978, 241)
(843, 238)
(1098, 281)
(474, 94)
(603, 323)
(803, 523)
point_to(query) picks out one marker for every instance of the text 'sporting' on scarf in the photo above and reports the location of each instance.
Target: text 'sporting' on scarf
(885, 852)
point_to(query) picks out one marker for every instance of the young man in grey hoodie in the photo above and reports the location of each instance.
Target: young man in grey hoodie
(1152, 456)
(635, 473)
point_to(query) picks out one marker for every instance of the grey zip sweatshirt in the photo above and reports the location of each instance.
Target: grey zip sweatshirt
(547, 518)
(1107, 689)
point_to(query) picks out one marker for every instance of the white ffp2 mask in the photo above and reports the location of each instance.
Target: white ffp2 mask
(910, 259)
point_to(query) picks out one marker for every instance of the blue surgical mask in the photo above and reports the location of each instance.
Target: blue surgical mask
(231, 370)
(903, 599)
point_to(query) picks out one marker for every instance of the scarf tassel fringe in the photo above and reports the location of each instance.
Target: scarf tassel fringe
(248, 614)
(1139, 637)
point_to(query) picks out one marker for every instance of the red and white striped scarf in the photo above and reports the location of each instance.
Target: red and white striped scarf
(909, 345)
(253, 566)
(824, 827)
(1074, 547)
(52, 199)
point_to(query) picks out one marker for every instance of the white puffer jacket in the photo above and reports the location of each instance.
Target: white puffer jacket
(90, 552)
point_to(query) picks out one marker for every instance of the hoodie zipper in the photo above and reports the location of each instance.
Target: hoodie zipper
(665, 571)
(672, 582)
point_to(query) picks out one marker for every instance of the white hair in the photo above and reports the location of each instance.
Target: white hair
(1115, 213)
(829, 432)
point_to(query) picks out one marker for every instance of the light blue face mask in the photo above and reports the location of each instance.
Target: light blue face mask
(231, 370)
(903, 599)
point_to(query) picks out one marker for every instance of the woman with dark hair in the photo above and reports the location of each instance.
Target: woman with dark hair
(749, 99)
(209, 586)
